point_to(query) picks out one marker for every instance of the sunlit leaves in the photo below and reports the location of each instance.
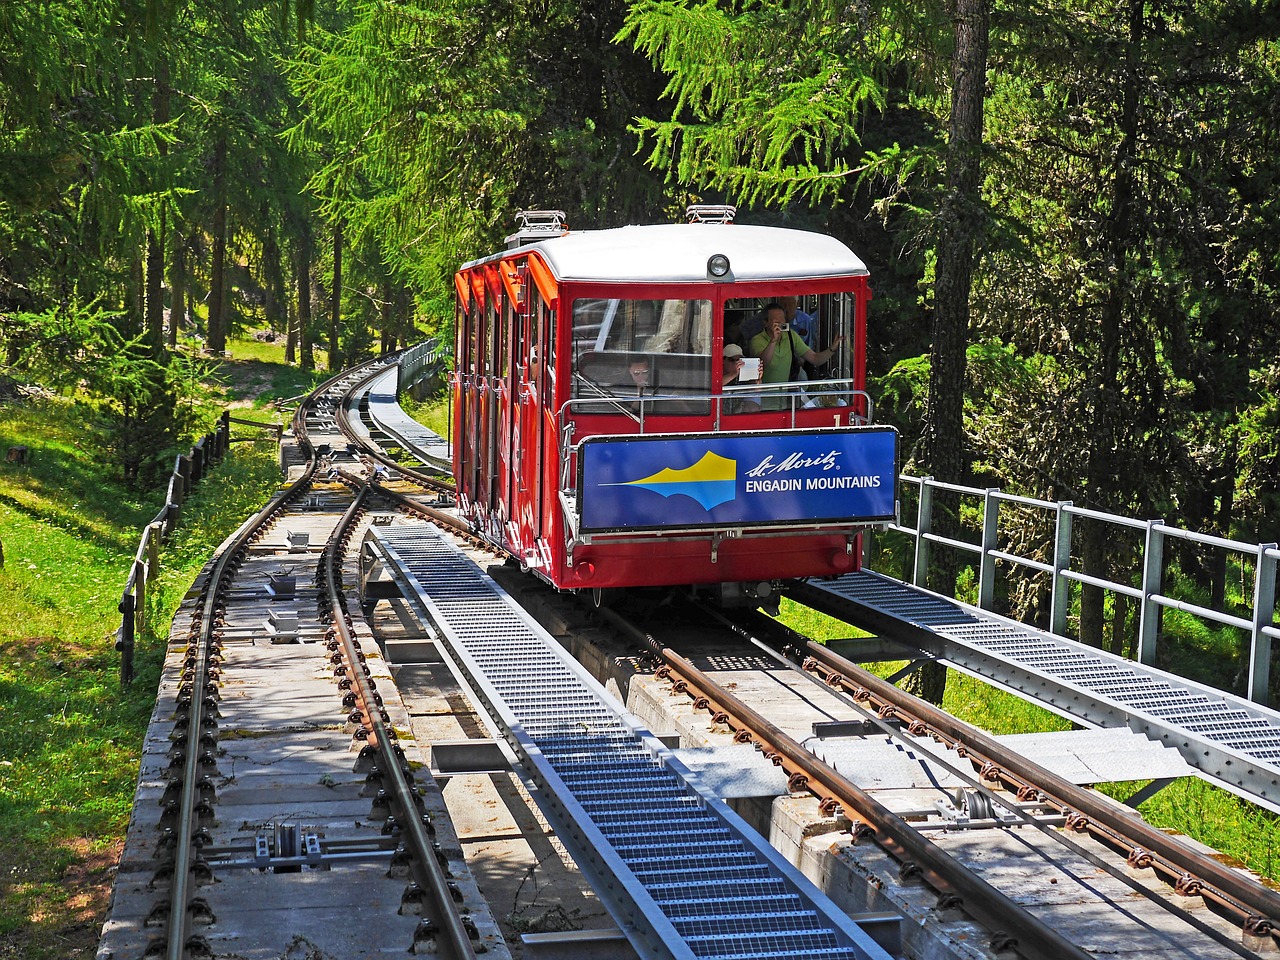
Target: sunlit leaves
(766, 103)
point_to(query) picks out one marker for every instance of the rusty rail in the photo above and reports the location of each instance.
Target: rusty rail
(1255, 907)
(872, 820)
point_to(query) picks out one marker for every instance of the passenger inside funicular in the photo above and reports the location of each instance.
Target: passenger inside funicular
(662, 348)
(643, 347)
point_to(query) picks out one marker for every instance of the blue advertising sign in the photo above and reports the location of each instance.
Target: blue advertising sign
(830, 476)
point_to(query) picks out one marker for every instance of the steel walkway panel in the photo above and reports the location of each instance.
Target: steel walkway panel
(1231, 742)
(639, 823)
(389, 417)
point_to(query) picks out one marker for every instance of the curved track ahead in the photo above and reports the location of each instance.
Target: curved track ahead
(282, 788)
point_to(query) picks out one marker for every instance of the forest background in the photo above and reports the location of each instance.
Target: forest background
(1069, 209)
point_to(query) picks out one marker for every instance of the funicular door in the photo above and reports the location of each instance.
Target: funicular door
(528, 453)
(505, 398)
(481, 414)
(486, 452)
(467, 429)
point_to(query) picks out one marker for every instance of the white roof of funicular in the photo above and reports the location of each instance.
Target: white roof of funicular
(678, 253)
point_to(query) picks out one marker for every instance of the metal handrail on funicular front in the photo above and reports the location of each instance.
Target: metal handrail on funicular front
(566, 426)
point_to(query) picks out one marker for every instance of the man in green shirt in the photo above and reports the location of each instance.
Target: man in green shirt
(780, 348)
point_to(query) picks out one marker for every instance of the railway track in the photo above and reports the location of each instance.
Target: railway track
(275, 778)
(239, 834)
(1008, 791)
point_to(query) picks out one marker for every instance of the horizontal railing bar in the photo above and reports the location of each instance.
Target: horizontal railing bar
(1216, 616)
(1111, 585)
(1023, 501)
(1040, 565)
(1106, 517)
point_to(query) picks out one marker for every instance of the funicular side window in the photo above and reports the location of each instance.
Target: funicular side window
(642, 348)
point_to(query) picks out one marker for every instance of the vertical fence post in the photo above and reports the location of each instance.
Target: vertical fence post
(153, 548)
(197, 462)
(990, 536)
(1264, 608)
(924, 524)
(140, 597)
(1152, 584)
(124, 639)
(224, 433)
(1060, 596)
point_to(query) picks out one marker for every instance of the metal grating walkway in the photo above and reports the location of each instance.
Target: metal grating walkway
(1233, 742)
(681, 873)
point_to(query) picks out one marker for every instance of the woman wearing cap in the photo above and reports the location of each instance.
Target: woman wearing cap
(730, 371)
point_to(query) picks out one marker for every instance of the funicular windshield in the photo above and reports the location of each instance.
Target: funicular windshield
(626, 353)
(795, 350)
(764, 353)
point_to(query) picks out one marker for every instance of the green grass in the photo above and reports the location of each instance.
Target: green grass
(432, 413)
(70, 736)
(257, 369)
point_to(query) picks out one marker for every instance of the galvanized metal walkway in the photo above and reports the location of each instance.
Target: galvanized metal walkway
(681, 873)
(1230, 741)
(390, 419)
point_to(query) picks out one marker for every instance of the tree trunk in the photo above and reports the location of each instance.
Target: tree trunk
(1104, 433)
(134, 319)
(217, 342)
(1226, 508)
(1093, 559)
(1119, 624)
(306, 358)
(335, 306)
(960, 219)
(273, 275)
(291, 331)
(155, 288)
(387, 315)
(178, 289)
(156, 239)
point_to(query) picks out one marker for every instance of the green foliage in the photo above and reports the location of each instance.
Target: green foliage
(1258, 484)
(70, 738)
(765, 99)
(413, 111)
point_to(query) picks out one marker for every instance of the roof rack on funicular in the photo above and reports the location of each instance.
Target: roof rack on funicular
(710, 212)
(535, 225)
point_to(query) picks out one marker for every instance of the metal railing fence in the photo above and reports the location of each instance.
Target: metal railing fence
(1146, 585)
(188, 470)
(418, 363)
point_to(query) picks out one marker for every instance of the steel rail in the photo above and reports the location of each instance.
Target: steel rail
(428, 873)
(1256, 907)
(198, 677)
(784, 652)
(1011, 925)
(375, 452)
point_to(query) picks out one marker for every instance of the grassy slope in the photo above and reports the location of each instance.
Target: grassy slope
(70, 737)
